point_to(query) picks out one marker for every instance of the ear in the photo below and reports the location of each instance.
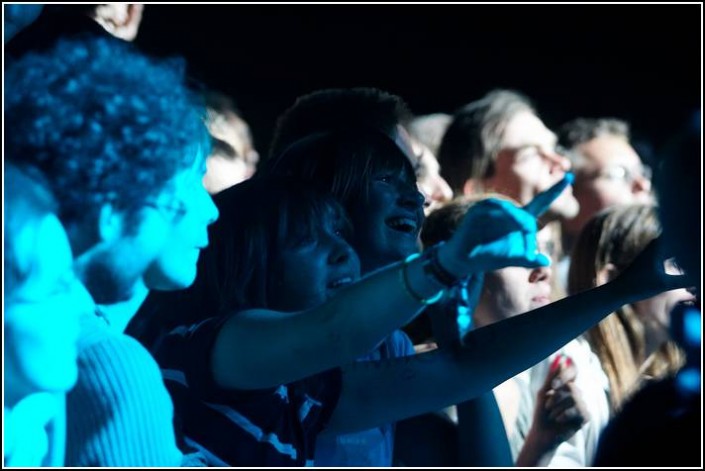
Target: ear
(110, 223)
(134, 16)
(471, 187)
(606, 274)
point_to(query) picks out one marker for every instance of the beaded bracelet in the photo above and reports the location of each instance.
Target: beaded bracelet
(405, 282)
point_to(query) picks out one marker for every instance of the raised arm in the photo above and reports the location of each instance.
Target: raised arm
(259, 349)
(382, 392)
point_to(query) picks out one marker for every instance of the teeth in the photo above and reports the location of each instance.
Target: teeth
(343, 281)
(402, 224)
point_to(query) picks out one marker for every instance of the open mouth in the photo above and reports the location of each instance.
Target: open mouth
(403, 224)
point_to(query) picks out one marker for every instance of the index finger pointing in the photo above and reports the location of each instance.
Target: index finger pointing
(543, 200)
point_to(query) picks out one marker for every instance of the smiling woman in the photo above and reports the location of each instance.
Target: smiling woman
(270, 317)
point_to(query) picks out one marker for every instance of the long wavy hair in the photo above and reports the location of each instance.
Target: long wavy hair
(616, 236)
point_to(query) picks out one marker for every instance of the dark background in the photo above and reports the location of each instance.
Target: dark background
(641, 63)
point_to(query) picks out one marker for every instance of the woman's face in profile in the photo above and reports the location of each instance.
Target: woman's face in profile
(42, 312)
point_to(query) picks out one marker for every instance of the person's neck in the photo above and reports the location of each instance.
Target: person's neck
(479, 319)
(119, 314)
(485, 315)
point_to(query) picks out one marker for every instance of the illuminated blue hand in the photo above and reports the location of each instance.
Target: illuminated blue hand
(542, 201)
(496, 234)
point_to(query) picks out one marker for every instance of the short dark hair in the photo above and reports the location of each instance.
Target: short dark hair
(336, 110)
(472, 141)
(580, 130)
(337, 139)
(440, 225)
(103, 122)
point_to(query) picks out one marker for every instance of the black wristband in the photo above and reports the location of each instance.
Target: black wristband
(437, 271)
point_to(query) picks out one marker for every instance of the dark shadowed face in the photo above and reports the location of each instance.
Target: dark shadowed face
(387, 220)
(313, 267)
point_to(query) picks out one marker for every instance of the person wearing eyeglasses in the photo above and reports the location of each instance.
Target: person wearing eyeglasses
(608, 172)
(122, 144)
(498, 144)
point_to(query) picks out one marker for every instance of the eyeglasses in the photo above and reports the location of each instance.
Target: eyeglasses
(534, 151)
(176, 209)
(624, 174)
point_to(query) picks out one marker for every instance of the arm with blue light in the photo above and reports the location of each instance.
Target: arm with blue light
(381, 392)
(261, 348)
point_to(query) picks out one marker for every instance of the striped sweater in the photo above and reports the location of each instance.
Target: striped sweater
(119, 413)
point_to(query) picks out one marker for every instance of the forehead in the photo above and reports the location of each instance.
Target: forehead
(43, 252)
(609, 150)
(524, 129)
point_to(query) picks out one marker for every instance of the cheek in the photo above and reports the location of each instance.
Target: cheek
(299, 289)
(173, 269)
(177, 252)
(612, 193)
(44, 355)
(152, 240)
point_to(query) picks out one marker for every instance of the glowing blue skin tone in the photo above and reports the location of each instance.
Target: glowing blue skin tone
(42, 314)
(41, 326)
(501, 234)
(161, 252)
(188, 210)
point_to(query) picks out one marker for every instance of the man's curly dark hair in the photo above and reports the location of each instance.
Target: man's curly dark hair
(103, 122)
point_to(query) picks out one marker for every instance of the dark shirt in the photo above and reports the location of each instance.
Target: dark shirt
(269, 427)
(660, 426)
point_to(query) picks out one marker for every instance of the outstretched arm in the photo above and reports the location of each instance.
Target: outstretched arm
(259, 348)
(382, 392)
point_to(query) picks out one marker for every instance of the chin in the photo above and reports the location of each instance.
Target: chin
(63, 381)
(566, 207)
(163, 280)
(182, 282)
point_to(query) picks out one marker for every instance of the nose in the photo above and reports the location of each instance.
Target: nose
(209, 209)
(341, 252)
(441, 190)
(540, 274)
(411, 198)
(557, 161)
(641, 186)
